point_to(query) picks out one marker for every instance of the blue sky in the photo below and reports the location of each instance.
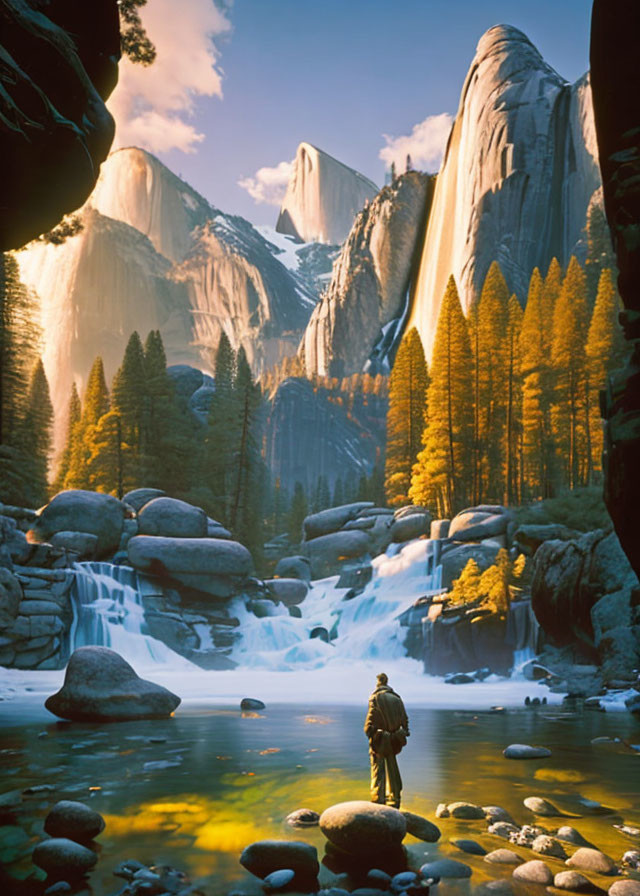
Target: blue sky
(341, 73)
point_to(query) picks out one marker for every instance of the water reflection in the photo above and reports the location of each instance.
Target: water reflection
(193, 790)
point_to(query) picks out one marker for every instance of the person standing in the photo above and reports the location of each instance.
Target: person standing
(387, 727)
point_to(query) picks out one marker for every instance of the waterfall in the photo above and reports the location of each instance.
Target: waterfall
(365, 627)
(108, 612)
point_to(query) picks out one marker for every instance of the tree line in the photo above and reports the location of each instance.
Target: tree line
(508, 411)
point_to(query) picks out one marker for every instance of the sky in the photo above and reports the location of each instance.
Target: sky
(236, 87)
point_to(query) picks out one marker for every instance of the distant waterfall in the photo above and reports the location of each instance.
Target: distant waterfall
(108, 612)
(365, 627)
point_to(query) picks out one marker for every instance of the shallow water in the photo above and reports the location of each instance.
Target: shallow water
(227, 778)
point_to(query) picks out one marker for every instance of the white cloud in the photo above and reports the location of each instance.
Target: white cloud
(268, 184)
(152, 105)
(425, 144)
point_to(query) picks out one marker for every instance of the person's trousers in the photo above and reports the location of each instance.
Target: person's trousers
(386, 783)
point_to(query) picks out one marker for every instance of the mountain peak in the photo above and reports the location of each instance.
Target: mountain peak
(323, 197)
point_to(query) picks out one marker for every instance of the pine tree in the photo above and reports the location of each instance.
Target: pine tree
(246, 496)
(298, 512)
(549, 299)
(35, 434)
(338, 493)
(74, 413)
(493, 586)
(111, 462)
(600, 254)
(322, 497)
(221, 431)
(466, 588)
(511, 452)
(128, 393)
(441, 476)
(95, 405)
(605, 351)
(488, 323)
(537, 439)
(570, 424)
(405, 417)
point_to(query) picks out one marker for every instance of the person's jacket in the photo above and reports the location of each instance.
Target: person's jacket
(386, 714)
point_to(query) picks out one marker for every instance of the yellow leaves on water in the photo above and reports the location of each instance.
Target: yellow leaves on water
(269, 750)
(560, 775)
(318, 720)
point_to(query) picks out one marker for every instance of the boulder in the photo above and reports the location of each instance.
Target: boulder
(465, 810)
(171, 518)
(548, 846)
(503, 857)
(625, 888)
(524, 751)
(414, 525)
(207, 564)
(13, 542)
(77, 510)
(10, 597)
(217, 530)
(409, 510)
(294, 568)
(266, 856)
(503, 829)
(421, 828)
(575, 883)
(141, 496)
(586, 859)
(303, 818)
(100, 686)
(542, 807)
(478, 523)
(496, 813)
(570, 835)
(333, 519)
(361, 828)
(63, 858)
(327, 553)
(289, 591)
(82, 543)
(530, 536)
(278, 880)
(76, 821)
(470, 846)
(439, 528)
(251, 703)
(446, 869)
(534, 872)
(455, 557)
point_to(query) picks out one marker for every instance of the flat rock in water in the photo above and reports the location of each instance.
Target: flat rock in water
(446, 868)
(303, 818)
(570, 835)
(548, 846)
(465, 810)
(625, 888)
(503, 857)
(575, 882)
(403, 880)
(251, 703)
(534, 872)
(503, 829)
(362, 828)
(496, 813)
(470, 846)
(591, 860)
(459, 678)
(266, 856)
(62, 857)
(539, 806)
(421, 828)
(525, 751)
(101, 686)
(73, 820)
(278, 880)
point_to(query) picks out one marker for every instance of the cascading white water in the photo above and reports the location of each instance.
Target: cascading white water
(366, 627)
(108, 612)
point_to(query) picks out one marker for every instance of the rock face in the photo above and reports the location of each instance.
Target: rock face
(323, 197)
(368, 289)
(211, 565)
(100, 686)
(527, 200)
(82, 511)
(165, 259)
(60, 63)
(362, 828)
(581, 591)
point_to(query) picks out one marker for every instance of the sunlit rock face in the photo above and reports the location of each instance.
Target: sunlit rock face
(368, 288)
(520, 168)
(323, 197)
(153, 254)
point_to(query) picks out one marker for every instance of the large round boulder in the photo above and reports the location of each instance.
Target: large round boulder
(62, 858)
(141, 496)
(101, 686)
(83, 544)
(478, 523)
(327, 553)
(73, 820)
(211, 565)
(289, 591)
(266, 856)
(362, 828)
(326, 521)
(411, 526)
(294, 568)
(172, 518)
(77, 510)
